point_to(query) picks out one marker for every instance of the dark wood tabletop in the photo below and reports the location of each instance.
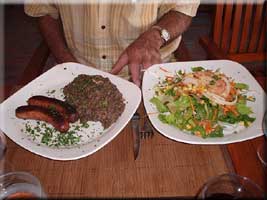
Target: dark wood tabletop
(164, 168)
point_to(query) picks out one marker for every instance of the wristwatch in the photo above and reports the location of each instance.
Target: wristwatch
(164, 34)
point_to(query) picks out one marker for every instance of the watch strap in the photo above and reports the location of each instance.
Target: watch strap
(164, 34)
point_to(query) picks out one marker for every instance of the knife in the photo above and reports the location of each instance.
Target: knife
(135, 122)
(264, 124)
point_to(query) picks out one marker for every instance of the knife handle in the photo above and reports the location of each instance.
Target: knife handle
(136, 120)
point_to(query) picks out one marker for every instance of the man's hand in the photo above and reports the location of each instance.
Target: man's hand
(144, 51)
(141, 54)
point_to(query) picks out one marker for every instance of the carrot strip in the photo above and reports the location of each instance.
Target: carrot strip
(215, 114)
(161, 68)
(152, 113)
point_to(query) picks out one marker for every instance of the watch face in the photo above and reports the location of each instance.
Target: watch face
(165, 34)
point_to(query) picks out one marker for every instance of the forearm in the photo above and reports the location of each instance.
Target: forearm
(175, 23)
(52, 32)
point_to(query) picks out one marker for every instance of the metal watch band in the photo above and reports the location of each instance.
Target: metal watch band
(164, 34)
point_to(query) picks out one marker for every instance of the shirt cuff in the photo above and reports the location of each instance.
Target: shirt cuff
(39, 10)
(188, 7)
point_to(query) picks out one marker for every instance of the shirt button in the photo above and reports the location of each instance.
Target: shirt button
(104, 56)
(103, 26)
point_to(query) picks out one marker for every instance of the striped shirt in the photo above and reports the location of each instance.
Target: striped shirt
(96, 33)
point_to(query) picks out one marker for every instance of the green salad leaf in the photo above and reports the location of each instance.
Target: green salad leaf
(241, 86)
(160, 106)
(243, 109)
(197, 69)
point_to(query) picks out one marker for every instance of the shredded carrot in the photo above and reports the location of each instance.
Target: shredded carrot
(169, 77)
(232, 93)
(206, 125)
(232, 109)
(164, 69)
(152, 113)
(192, 106)
(215, 114)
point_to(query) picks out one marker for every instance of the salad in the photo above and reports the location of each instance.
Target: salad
(202, 102)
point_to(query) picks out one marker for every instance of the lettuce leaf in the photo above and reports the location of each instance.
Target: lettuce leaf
(243, 109)
(160, 106)
(241, 86)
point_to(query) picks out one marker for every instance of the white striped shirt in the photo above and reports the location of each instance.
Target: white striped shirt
(96, 33)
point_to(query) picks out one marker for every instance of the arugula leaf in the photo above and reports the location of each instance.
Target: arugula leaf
(200, 112)
(246, 119)
(232, 119)
(229, 118)
(218, 132)
(199, 129)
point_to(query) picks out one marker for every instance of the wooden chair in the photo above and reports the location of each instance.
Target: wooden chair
(238, 33)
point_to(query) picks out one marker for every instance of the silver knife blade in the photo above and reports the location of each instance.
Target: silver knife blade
(135, 122)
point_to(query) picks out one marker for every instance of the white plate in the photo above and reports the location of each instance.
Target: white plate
(50, 84)
(235, 70)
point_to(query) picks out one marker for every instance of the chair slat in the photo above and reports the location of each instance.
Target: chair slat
(236, 28)
(226, 25)
(218, 24)
(262, 41)
(246, 25)
(241, 26)
(256, 28)
(247, 57)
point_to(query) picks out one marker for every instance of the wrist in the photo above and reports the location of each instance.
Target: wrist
(154, 36)
(164, 34)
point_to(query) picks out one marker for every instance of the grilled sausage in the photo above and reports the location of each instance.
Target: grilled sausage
(43, 114)
(68, 111)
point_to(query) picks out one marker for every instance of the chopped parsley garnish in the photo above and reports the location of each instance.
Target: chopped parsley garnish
(51, 137)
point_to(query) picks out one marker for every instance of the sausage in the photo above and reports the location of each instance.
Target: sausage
(68, 111)
(43, 114)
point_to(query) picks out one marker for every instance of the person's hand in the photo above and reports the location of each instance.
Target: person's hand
(141, 54)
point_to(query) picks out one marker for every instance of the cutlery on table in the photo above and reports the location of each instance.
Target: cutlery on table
(147, 130)
(135, 125)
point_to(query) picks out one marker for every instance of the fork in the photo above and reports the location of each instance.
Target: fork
(147, 130)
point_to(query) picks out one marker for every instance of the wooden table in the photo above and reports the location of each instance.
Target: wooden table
(164, 168)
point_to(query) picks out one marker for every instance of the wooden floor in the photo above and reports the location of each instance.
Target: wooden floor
(21, 37)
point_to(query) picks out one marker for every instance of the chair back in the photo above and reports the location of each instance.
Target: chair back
(239, 29)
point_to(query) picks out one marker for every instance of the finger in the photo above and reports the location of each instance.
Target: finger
(135, 71)
(121, 62)
(147, 61)
(156, 58)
